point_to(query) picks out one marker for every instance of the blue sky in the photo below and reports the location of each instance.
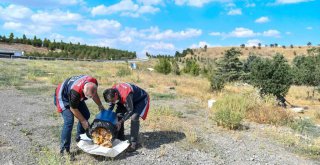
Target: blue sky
(164, 26)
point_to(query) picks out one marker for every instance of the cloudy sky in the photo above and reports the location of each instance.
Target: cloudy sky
(164, 26)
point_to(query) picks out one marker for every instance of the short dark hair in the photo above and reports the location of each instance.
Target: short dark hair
(109, 94)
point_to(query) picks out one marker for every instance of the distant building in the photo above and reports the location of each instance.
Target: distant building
(10, 53)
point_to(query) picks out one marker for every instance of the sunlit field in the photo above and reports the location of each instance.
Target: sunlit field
(41, 78)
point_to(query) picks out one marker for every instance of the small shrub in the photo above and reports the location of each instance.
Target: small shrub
(163, 66)
(268, 114)
(301, 125)
(216, 82)
(123, 71)
(230, 110)
(317, 114)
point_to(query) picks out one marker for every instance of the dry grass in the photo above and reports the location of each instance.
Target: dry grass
(268, 114)
(306, 147)
(289, 53)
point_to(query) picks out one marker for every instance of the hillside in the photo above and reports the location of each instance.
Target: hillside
(23, 47)
(216, 52)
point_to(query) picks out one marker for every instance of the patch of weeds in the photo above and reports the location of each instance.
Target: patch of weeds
(123, 71)
(33, 90)
(317, 114)
(15, 122)
(34, 73)
(305, 147)
(26, 131)
(175, 82)
(163, 96)
(301, 125)
(152, 86)
(47, 156)
(56, 131)
(166, 111)
(230, 110)
(311, 151)
(57, 78)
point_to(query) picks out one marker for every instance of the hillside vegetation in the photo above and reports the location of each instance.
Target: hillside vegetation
(288, 52)
(59, 49)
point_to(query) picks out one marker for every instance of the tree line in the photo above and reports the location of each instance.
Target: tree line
(68, 50)
(270, 75)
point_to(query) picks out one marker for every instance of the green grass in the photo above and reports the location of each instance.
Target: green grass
(165, 111)
(47, 156)
(33, 90)
(230, 110)
(123, 71)
(163, 96)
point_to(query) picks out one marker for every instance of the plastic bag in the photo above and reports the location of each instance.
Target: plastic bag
(87, 145)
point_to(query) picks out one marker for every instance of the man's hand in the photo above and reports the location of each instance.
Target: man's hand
(118, 125)
(85, 124)
(101, 107)
(88, 133)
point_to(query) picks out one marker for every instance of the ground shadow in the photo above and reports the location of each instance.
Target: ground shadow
(153, 140)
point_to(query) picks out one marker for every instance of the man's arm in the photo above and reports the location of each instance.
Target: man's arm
(97, 100)
(79, 116)
(74, 104)
(129, 107)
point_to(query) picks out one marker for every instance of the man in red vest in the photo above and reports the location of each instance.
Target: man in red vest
(132, 102)
(69, 99)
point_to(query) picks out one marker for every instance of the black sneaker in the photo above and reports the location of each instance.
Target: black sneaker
(78, 139)
(71, 155)
(133, 147)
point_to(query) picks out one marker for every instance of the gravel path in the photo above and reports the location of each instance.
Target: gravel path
(29, 124)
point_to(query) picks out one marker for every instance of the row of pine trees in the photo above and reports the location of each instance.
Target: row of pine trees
(68, 50)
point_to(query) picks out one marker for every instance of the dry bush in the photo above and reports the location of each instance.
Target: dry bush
(268, 114)
(317, 114)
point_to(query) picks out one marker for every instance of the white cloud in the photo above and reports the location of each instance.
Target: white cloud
(109, 28)
(242, 32)
(55, 17)
(262, 20)
(215, 34)
(70, 2)
(288, 33)
(12, 25)
(148, 9)
(56, 36)
(201, 44)
(74, 40)
(28, 29)
(198, 3)
(168, 34)
(271, 33)
(235, 12)
(253, 42)
(150, 2)
(13, 12)
(309, 28)
(36, 29)
(126, 8)
(250, 5)
(159, 48)
(290, 1)
(124, 5)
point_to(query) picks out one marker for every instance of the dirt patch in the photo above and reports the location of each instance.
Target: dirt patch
(29, 124)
